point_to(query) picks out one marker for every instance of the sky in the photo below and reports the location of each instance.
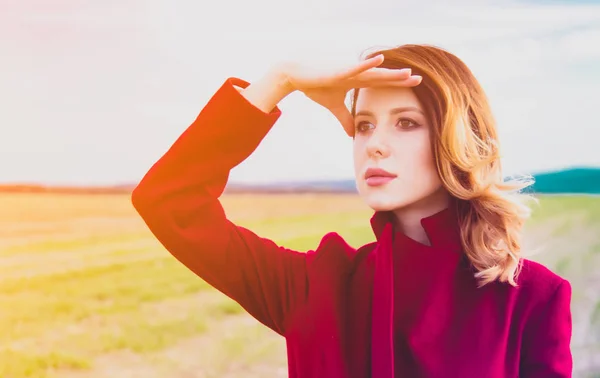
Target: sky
(94, 92)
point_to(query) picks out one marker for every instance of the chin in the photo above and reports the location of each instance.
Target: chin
(385, 202)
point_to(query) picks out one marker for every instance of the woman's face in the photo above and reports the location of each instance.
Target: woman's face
(393, 159)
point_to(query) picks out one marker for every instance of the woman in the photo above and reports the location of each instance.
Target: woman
(442, 292)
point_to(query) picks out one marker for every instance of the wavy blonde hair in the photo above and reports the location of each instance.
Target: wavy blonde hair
(465, 145)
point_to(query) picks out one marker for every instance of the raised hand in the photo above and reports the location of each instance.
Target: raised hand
(329, 88)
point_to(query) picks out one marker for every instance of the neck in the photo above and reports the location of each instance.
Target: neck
(408, 218)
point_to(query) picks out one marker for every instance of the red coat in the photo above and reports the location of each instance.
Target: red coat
(392, 308)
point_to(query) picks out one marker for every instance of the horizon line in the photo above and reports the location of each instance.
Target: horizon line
(5, 184)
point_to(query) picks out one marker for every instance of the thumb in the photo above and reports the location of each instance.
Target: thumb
(343, 115)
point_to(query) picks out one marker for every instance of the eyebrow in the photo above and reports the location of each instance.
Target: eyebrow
(393, 111)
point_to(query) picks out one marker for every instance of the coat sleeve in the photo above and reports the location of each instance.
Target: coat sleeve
(178, 198)
(547, 338)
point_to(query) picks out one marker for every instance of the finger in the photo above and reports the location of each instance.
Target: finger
(345, 118)
(383, 74)
(360, 67)
(412, 81)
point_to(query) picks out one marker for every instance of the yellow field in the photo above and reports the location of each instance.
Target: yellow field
(86, 291)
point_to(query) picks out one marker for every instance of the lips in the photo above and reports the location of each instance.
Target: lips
(378, 176)
(378, 172)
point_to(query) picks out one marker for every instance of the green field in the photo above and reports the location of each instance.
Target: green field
(86, 291)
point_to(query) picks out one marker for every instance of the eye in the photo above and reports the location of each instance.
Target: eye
(407, 123)
(363, 126)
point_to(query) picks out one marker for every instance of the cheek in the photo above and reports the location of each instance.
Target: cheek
(358, 153)
(418, 164)
(425, 157)
(415, 154)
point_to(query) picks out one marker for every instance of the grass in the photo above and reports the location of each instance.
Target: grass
(71, 243)
(103, 290)
(33, 365)
(100, 288)
(587, 207)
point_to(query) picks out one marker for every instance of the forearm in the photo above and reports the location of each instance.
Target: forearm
(267, 92)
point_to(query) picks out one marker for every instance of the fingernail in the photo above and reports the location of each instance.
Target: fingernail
(406, 70)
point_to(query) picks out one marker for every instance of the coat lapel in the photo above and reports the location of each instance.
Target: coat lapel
(382, 335)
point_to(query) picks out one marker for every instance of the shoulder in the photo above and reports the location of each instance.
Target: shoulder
(536, 278)
(547, 321)
(334, 252)
(541, 288)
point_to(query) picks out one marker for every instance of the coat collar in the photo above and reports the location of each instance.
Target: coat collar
(442, 228)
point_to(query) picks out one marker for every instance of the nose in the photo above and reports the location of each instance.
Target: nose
(377, 146)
